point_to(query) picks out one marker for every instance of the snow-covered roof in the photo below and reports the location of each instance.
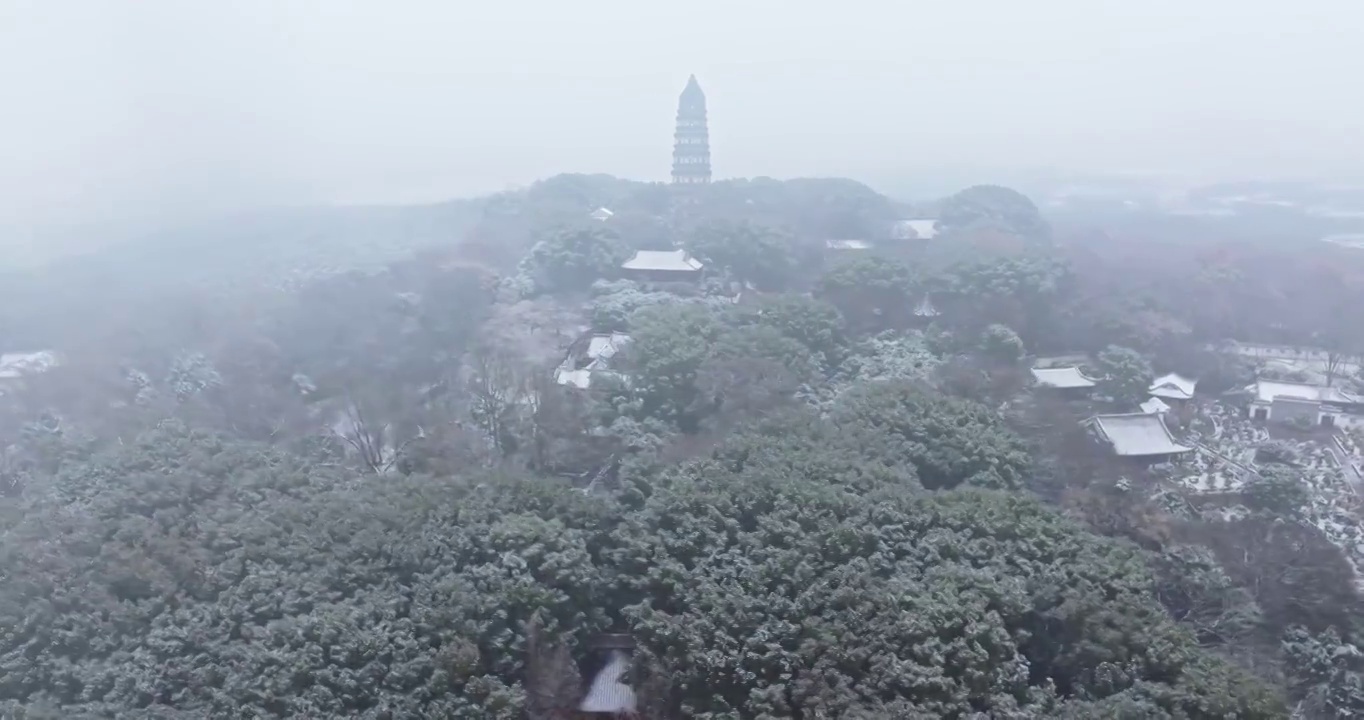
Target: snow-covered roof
(674, 260)
(1266, 391)
(1062, 377)
(601, 214)
(1154, 406)
(609, 692)
(581, 379)
(605, 346)
(15, 365)
(1173, 386)
(847, 244)
(1136, 434)
(918, 228)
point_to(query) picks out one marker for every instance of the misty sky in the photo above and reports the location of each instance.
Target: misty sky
(134, 109)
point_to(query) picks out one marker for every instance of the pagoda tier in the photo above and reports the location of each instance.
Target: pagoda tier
(691, 142)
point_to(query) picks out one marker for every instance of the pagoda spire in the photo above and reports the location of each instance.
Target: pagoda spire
(691, 142)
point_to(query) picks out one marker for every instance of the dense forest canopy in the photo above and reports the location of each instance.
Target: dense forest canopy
(809, 479)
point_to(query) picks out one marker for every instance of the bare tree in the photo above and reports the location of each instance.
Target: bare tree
(498, 389)
(1335, 360)
(371, 440)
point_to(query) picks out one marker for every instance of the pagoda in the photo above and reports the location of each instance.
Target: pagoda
(691, 142)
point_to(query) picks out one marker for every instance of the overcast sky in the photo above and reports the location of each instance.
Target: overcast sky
(124, 109)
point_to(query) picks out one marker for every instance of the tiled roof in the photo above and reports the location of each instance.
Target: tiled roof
(1062, 377)
(1174, 387)
(1137, 435)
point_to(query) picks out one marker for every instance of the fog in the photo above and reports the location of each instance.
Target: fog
(143, 112)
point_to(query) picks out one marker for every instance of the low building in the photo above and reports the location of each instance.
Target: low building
(601, 214)
(1173, 387)
(590, 356)
(1279, 401)
(1067, 381)
(1139, 437)
(663, 266)
(915, 229)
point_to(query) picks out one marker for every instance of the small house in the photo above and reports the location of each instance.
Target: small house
(601, 214)
(663, 266)
(1138, 437)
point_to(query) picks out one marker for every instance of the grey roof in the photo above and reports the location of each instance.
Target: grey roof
(1137, 434)
(1062, 377)
(675, 260)
(1173, 386)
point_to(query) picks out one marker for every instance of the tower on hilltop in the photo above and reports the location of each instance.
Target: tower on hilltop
(691, 142)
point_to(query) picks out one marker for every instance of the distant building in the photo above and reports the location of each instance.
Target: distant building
(1139, 437)
(1173, 387)
(915, 229)
(691, 141)
(1068, 380)
(663, 266)
(601, 214)
(1277, 401)
(847, 244)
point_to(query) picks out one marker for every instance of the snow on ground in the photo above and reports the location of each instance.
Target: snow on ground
(1226, 442)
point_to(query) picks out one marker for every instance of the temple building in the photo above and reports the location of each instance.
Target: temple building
(1067, 381)
(662, 266)
(1141, 437)
(691, 142)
